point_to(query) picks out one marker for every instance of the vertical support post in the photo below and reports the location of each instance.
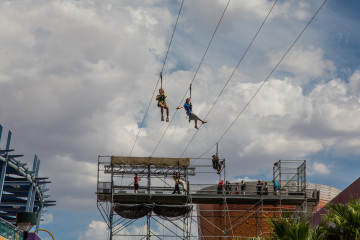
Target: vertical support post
(280, 176)
(4, 165)
(32, 193)
(149, 180)
(225, 204)
(305, 176)
(38, 221)
(1, 129)
(112, 204)
(262, 217)
(148, 226)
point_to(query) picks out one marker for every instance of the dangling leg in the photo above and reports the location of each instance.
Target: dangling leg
(202, 121)
(167, 112)
(196, 124)
(162, 111)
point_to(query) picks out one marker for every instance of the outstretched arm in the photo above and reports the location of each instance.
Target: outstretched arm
(180, 107)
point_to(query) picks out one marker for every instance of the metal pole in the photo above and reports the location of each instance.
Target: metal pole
(148, 226)
(4, 166)
(111, 204)
(149, 180)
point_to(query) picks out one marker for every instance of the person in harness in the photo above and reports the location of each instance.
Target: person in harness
(162, 104)
(216, 163)
(192, 116)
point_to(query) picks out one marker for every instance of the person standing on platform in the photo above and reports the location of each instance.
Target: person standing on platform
(243, 187)
(259, 188)
(266, 189)
(176, 179)
(136, 183)
(182, 182)
(220, 188)
(228, 187)
(237, 188)
(276, 187)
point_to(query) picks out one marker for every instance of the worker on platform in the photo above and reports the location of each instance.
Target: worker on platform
(237, 189)
(162, 104)
(276, 187)
(266, 189)
(136, 183)
(259, 188)
(220, 187)
(176, 179)
(243, 187)
(228, 187)
(182, 182)
(192, 116)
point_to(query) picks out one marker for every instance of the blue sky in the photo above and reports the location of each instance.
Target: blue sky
(76, 78)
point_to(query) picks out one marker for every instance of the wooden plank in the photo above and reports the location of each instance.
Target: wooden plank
(147, 161)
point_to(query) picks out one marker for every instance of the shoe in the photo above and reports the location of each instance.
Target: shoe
(162, 118)
(167, 119)
(196, 127)
(204, 122)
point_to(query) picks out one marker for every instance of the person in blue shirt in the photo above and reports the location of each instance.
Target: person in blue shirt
(192, 116)
(276, 187)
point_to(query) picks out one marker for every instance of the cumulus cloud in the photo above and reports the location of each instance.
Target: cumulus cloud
(355, 83)
(321, 168)
(47, 218)
(96, 230)
(304, 61)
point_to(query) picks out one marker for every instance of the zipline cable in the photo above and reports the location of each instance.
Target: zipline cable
(232, 74)
(157, 83)
(203, 57)
(266, 79)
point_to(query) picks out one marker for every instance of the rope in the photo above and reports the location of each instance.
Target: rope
(266, 79)
(182, 100)
(157, 83)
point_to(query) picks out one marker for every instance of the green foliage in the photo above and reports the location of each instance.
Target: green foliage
(342, 222)
(289, 229)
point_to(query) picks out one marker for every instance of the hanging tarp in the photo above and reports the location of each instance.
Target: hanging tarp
(146, 161)
(133, 211)
(171, 211)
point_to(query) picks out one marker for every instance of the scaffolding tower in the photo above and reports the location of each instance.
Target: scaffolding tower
(201, 212)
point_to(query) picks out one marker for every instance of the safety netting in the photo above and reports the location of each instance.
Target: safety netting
(135, 211)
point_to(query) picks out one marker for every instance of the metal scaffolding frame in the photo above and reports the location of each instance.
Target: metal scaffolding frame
(21, 189)
(115, 187)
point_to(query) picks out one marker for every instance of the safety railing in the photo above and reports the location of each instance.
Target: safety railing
(9, 231)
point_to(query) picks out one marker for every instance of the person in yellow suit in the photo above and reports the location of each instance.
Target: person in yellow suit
(162, 104)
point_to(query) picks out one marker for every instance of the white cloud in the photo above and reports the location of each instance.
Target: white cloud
(321, 168)
(47, 218)
(304, 61)
(96, 230)
(354, 83)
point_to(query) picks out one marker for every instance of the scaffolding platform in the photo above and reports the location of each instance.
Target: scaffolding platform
(121, 206)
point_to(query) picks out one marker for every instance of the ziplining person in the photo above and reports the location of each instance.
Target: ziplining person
(162, 102)
(188, 108)
(192, 116)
